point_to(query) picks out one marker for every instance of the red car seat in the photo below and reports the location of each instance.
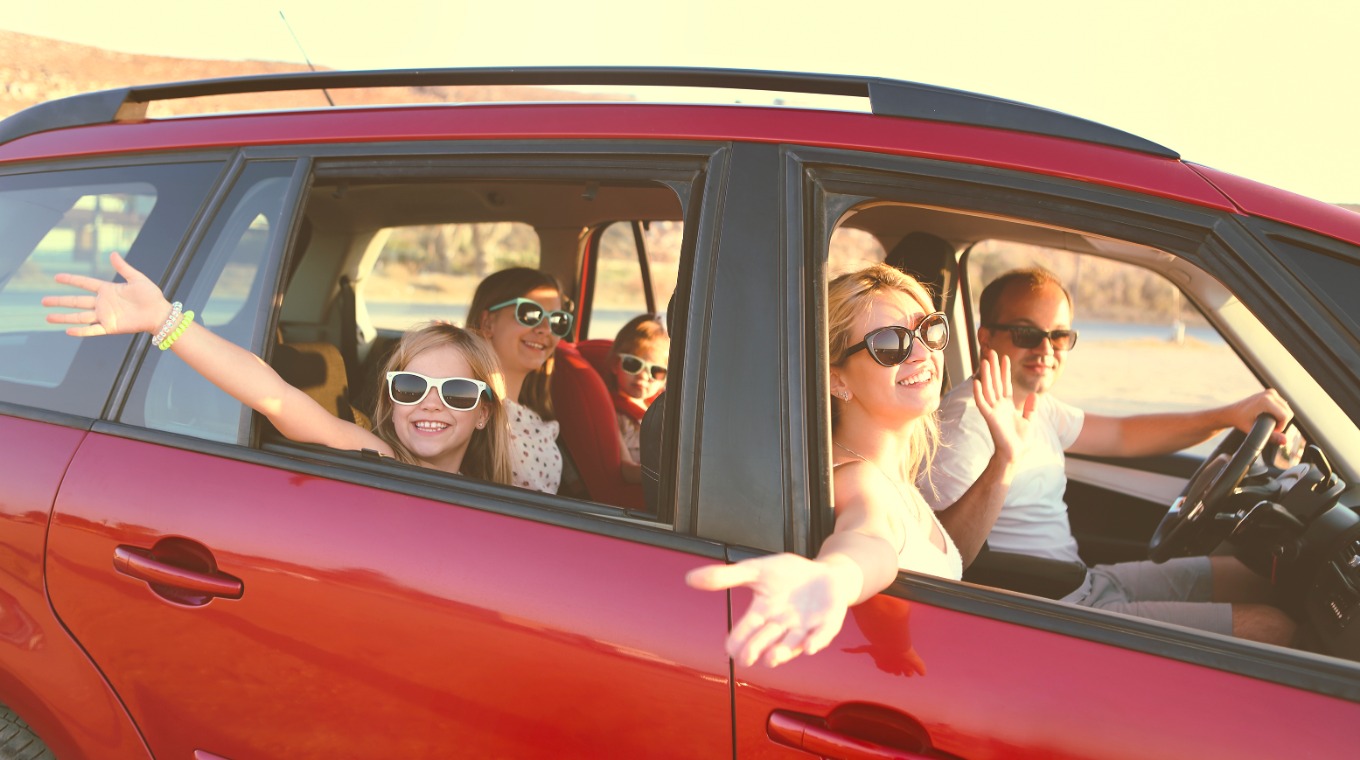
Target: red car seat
(590, 430)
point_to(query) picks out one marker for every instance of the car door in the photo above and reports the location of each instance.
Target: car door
(295, 602)
(250, 610)
(937, 668)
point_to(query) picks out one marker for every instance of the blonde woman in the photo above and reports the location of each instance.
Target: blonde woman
(886, 340)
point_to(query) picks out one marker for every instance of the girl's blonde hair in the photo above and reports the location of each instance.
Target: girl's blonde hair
(850, 297)
(642, 330)
(505, 285)
(488, 451)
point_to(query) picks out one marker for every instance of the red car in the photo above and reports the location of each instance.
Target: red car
(177, 580)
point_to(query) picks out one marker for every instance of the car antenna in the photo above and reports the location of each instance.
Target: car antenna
(298, 42)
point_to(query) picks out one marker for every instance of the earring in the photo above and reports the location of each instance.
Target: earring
(844, 395)
(481, 425)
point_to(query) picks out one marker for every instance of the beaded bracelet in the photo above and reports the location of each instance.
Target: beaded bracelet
(178, 331)
(175, 310)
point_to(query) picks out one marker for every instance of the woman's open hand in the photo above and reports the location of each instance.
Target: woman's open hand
(115, 308)
(798, 606)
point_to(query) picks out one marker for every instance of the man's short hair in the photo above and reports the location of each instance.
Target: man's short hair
(1034, 278)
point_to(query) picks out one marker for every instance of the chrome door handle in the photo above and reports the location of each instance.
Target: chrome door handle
(809, 735)
(140, 564)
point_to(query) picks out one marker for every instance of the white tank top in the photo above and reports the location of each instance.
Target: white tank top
(916, 551)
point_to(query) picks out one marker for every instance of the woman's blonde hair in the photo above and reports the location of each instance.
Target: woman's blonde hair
(505, 285)
(488, 451)
(850, 297)
(642, 330)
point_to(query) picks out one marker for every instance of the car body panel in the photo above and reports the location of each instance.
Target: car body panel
(44, 674)
(1051, 696)
(458, 641)
(1265, 201)
(1116, 167)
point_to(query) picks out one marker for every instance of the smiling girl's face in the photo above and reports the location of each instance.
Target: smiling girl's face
(523, 349)
(435, 434)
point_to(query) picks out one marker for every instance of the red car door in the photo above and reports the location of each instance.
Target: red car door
(248, 612)
(910, 679)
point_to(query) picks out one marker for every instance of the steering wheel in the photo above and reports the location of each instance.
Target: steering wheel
(1186, 523)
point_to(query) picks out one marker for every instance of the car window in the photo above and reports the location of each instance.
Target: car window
(417, 250)
(1142, 346)
(428, 272)
(69, 221)
(852, 250)
(229, 284)
(620, 289)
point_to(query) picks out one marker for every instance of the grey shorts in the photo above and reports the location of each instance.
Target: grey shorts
(1178, 591)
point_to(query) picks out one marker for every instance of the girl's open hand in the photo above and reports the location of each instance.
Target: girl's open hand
(115, 308)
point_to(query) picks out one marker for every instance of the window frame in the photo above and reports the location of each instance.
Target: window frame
(684, 166)
(828, 182)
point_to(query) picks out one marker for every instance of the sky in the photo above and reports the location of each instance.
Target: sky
(1265, 90)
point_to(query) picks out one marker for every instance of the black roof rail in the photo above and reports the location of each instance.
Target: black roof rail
(886, 96)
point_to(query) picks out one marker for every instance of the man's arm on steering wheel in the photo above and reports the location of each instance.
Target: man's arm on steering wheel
(1155, 434)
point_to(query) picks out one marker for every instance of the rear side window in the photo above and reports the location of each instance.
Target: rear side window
(69, 221)
(428, 272)
(230, 284)
(621, 284)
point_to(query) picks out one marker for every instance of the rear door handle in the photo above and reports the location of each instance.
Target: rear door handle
(139, 564)
(809, 735)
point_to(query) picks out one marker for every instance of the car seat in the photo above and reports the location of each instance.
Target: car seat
(928, 258)
(590, 431)
(318, 369)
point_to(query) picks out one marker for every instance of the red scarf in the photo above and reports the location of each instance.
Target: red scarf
(627, 405)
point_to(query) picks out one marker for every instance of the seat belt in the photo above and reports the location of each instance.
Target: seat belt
(349, 332)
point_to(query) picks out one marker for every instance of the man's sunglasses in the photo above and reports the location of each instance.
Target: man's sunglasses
(531, 314)
(1024, 336)
(891, 345)
(635, 365)
(460, 394)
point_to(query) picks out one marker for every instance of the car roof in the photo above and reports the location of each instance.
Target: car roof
(923, 120)
(887, 97)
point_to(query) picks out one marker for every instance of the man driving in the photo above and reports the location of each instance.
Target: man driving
(1026, 319)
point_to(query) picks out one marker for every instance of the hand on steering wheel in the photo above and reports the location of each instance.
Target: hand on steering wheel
(1187, 522)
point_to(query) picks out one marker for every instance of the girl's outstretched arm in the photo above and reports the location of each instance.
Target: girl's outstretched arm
(139, 306)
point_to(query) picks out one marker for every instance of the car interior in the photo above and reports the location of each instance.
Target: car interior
(331, 345)
(1287, 512)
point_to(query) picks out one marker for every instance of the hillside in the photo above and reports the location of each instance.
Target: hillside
(36, 69)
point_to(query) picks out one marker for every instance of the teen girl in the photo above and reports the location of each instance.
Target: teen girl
(520, 312)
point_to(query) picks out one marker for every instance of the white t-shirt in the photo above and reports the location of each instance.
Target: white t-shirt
(1033, 518)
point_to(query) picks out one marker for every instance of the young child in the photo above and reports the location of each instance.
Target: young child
(460, 428)
(638, 362)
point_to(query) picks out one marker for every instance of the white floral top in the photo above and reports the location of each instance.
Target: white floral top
(535, 461)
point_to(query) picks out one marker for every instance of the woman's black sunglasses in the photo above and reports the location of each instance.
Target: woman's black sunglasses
(1025, 336)
(531, 313)
(891, 345)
